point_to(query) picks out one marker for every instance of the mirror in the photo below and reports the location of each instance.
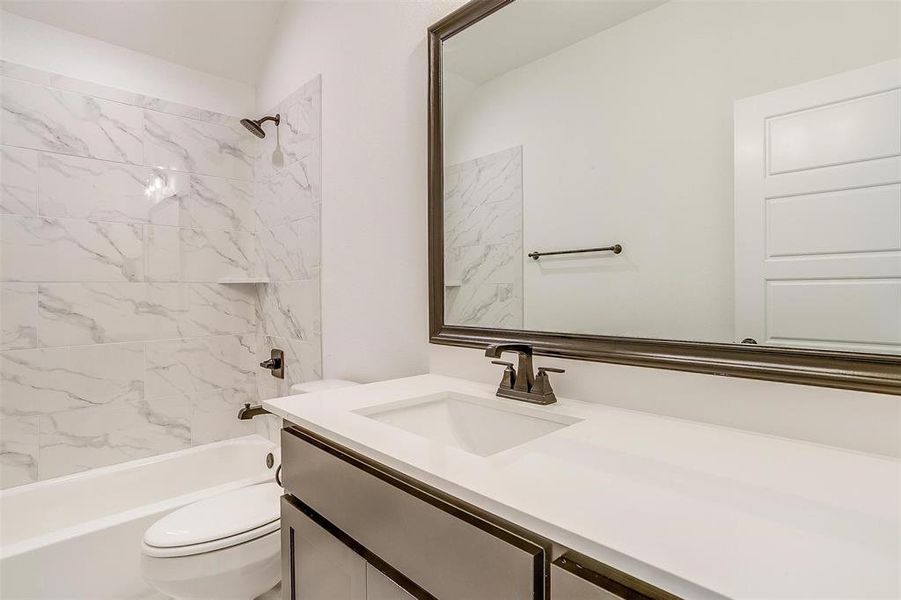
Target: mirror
(694, 171)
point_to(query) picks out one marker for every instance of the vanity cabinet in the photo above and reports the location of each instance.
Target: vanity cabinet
(317, 564)
(380, 587)
(364, 530)
(578, 577)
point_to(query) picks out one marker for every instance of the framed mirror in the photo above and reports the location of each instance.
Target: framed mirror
(703, 185)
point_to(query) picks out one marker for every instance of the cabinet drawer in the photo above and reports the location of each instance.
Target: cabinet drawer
(575, 576)
(449, 549)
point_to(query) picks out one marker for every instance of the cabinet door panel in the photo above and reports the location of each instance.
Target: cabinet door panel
(379, 587)
(316, 566)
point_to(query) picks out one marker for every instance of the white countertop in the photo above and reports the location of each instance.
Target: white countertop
(699, 510)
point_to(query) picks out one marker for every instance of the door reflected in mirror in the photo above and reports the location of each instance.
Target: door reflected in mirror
(745, 157)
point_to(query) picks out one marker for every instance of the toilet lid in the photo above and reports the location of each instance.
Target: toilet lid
(253, 509)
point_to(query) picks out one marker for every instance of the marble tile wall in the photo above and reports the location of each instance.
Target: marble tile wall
(118, 215)
(484, 240)
(288, 199)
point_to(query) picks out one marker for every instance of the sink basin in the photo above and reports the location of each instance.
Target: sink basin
(476, 425)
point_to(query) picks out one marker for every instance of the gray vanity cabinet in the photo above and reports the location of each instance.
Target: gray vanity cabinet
(578, 577)
(317, 565)
(355, 529)
(380, 587)
(430, 545)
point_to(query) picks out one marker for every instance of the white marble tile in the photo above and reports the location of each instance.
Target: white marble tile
(298, 133)
(483, 200)
(483, 241)
(18, 181)
(304, 118)
(44, 249)
(86, 438)
(303, 362)
(214, 415)
(489, 305)
(89, 88)
(85, 188)
(217, 203)
(288, 252)
(184, 110)
(47, 380)
(66, 84)
(217, 309)
(486, 224)
(189, 366)
(18, 450)
(477, 265)
(193, 146)
(97, 313)
(18, 315)
(203, 255)
(290, 309)
(289, 195)
(44, 118)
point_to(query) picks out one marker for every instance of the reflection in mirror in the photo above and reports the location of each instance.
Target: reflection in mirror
(746, 155)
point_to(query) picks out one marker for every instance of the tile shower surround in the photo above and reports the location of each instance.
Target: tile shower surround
(483, 241)
(118, 214)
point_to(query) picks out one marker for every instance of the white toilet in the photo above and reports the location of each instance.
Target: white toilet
(222, 548)
(226, 547)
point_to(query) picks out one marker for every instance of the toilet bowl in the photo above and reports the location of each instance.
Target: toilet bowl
(223, 548)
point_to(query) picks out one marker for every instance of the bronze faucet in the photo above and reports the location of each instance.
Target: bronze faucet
(522, 383)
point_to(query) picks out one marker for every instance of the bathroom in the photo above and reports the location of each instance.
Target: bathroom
(260, 259)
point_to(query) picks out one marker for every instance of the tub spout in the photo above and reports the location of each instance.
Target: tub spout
(247, 411)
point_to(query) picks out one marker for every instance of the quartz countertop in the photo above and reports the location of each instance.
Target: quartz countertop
(699, 510)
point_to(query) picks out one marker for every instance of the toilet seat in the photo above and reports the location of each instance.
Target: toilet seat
(223, 521)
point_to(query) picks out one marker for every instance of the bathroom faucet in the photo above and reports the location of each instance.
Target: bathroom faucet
(522, 383)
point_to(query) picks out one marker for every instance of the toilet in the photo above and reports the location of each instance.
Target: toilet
(222, 548)
(226, 547)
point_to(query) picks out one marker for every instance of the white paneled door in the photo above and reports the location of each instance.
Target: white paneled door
(818, 213)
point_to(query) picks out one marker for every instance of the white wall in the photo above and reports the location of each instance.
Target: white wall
(372, 57)
(627, 138)
(47, 48)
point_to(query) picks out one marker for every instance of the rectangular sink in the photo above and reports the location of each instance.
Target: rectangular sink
(476, 425)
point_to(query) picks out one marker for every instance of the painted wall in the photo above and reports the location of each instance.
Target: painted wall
(34, 44)
(639, 152)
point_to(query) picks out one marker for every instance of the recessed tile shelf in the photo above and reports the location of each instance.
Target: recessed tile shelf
(240, 280)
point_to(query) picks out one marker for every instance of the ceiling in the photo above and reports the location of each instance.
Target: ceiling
(527, 30)
(229, 38)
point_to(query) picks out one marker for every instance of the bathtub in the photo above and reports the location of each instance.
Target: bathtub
(79, 536)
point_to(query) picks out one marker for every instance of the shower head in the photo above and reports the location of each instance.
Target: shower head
(255, 126)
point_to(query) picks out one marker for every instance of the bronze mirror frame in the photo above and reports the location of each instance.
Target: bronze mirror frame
(848, 370)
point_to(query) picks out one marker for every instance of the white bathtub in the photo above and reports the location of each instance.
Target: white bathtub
(79, 536)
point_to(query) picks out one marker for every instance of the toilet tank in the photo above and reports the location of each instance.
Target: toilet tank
(320, 385)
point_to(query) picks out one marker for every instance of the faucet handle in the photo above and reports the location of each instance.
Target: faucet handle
(542, 384)
(509, 374)
(550, 370)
